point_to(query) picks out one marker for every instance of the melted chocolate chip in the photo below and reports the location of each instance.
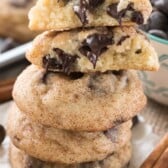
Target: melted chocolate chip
(95, 45)
(76, 75)
(123, 38)
(112, 10)
(136, 16)
(119, 73)
(19, 3)
(139, 51)
(83, 7)
(2, 134)
(81, 10)
(62, 62)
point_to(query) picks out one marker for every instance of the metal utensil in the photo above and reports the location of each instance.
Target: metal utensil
(14, 55)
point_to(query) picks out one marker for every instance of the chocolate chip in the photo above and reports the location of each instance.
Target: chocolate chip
(2, 134)
(76, 75)
(8, 44)
(123, 38)
(62, 62)
(85, 6)
(139, 51)
(81, 10)
(94, 45)
(118, 73)
(136, 16)
(112, 10)
(19, 3)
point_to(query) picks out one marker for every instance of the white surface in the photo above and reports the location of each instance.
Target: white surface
(143, 141)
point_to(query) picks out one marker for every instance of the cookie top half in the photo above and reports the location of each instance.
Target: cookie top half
(93, 49)
(68, 14)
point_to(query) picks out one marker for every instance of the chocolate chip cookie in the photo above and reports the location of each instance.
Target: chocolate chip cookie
(85, 102)
(119, 159)
(55, 145)
(68, 14)
(14, 19)
(92, 50)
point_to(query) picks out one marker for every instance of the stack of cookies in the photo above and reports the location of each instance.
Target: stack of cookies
(73, 107)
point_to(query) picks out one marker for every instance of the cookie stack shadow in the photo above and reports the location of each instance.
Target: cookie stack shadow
(74, 105)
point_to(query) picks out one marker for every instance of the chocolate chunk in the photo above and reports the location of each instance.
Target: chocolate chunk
(112, 10)
(95, 45)
(2, 134)
(7, 44)
(81, 10)
(62, 62)
(139, 51)
(84, 6)
(94, 3)
(123, 38)
(76, 75)
(136, 16)
(118, 73)
(19, 3)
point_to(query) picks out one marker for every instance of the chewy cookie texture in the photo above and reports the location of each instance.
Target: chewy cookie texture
(93, 49)
(93, 102)
(74, 106)
(14, 19)
(119, 159)
(48, 143)
(68, 14)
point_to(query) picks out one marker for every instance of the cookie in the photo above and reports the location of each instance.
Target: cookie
(14, 19)
(119, 159)
(55, 145)
(85, 102)
(91, 50)
(68, 14)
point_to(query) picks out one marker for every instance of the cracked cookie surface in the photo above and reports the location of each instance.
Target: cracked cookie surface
(85, 102)
(119, 159)
(56, 145)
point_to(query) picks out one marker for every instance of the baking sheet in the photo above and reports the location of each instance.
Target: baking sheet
(143, 141)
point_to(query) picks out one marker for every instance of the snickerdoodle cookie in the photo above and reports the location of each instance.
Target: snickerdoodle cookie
(55, 145)
(85, 102)
(119, 159)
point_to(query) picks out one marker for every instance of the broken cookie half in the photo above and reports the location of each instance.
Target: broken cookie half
(90, 50)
